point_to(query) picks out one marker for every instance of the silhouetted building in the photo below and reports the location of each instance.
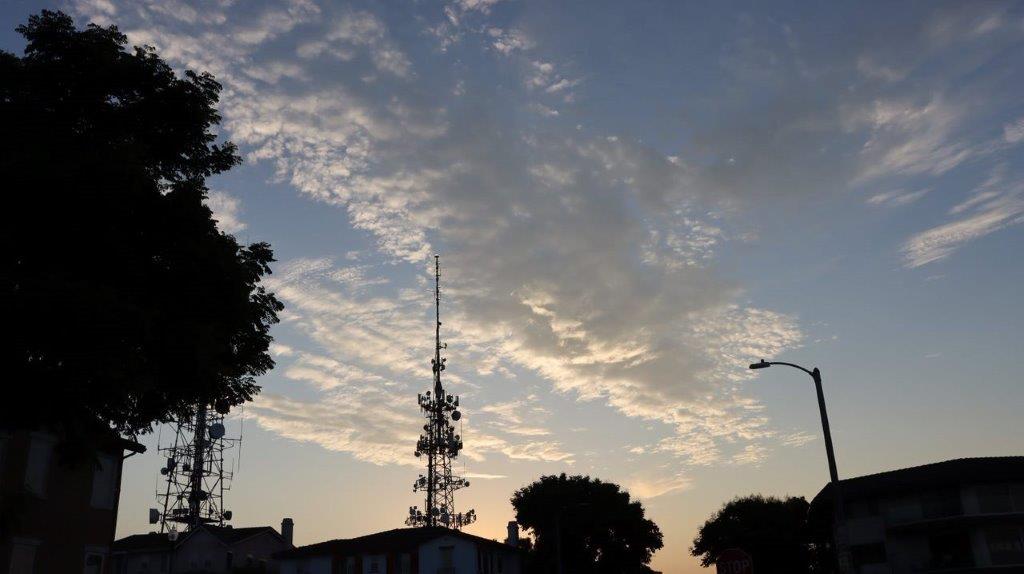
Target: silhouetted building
(56, 516)
(424, 550)
(963, 515)
(205, 549)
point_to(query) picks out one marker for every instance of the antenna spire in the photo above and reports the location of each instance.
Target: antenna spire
(439, 441)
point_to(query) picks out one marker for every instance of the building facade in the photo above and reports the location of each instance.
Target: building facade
(55, 515)
(964, 515)
(206, 549)
(426, 550)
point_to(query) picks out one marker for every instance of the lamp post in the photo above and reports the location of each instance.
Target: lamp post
(839, 533)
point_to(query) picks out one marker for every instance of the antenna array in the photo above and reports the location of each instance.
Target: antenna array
(439, 442)
(195, 476)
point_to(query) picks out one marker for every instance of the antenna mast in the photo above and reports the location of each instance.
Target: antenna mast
(439, 441)
(195, 474)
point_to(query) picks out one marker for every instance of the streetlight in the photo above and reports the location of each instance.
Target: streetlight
(833, 473)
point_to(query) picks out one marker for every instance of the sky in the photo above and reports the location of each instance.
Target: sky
(632, 202)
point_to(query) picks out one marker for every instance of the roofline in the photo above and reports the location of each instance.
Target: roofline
(328, 546)
(188, 534)
(826, 492)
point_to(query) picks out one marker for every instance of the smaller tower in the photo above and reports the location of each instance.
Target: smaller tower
(195, 476)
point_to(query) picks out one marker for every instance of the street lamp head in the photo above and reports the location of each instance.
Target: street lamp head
(762, 365)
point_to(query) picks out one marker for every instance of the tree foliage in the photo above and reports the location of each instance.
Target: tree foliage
(125, 304)
(772, 530)
(601, 529)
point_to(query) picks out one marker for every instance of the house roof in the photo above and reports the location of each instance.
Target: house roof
(159, 541)
(397, 540)
(143, 542)
(229, 535)
(929, 476)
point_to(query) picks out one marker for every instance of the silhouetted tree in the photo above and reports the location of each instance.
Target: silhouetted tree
(772, 530)
(601, 529)
(124, 305)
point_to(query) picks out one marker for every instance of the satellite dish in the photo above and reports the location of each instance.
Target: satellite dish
(172, 535)
(216, 431)
(227, 515)
(154, 516)
(456, 415)
(163, 471)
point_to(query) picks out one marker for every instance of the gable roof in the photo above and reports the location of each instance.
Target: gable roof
(229, 535)
(142, 542)
(929, 476)
(156, 541)
(397, 540)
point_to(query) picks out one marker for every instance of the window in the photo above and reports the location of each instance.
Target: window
(37, 470)
(1005, 544)
(3, 450)
(501, 564)
(23, 557)
(405, 564)
(228, 559)
(374, 566)
(862, 508)
(994, 498)
(104, 483)
(1017, 493)
(93, 563)
(863, 554)
(941, 503)
(447, 558)
(350, 565)
(950, 549)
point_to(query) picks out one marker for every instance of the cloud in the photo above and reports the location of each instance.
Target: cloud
(897, 198)
(910, 139)
(477, 5)
(343, 424)
(508, 41)
(646, 488)
(753, 454)
(372, 364)
(483, 476)
(578, 259)
(797, 439)
(543, 110)
(542, 76)
(360, 29)
(1013, 132)
(996, 203)
(226, 210)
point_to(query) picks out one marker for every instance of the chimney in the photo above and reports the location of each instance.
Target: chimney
(513, 533)
(287, 530)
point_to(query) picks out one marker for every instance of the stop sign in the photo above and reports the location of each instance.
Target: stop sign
(734, 561)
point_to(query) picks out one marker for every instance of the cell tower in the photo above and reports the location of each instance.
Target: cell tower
(439, 442)
(195, 476)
